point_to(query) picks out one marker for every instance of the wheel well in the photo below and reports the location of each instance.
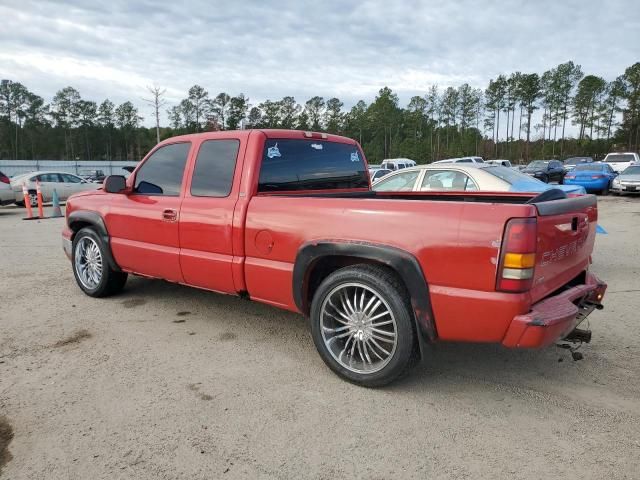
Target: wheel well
(325, 266)
(79, 225)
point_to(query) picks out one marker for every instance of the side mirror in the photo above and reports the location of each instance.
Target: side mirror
(115, 184)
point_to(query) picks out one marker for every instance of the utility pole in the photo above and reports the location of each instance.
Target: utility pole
(156, 101)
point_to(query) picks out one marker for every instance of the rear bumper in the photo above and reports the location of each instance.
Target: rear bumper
(589, 185)
(555, 317)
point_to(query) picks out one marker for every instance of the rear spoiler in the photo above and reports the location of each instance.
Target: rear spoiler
(555, 202)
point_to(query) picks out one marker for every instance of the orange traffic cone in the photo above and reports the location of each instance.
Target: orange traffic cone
(27, 203)
(39, 196)
(56, 205)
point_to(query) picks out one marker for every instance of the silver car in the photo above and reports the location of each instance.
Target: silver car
(628, 181)
(65, 185)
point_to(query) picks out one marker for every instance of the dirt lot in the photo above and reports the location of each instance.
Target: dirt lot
(169, 382)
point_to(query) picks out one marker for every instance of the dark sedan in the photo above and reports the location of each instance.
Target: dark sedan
(546, 170)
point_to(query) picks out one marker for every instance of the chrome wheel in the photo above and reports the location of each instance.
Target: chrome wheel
(88, 262)
(358, 328)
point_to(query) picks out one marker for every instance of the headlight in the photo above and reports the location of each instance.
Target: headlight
(616, 181)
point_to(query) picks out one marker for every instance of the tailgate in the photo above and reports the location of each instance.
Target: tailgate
(566, 235)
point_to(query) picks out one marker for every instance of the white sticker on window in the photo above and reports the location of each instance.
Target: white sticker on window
(317, 146)
(273, 151)
(355, 157)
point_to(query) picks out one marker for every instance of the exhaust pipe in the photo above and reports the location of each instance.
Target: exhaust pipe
(579, 335)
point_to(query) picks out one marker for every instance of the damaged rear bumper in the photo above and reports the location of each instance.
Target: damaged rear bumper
(555, 317)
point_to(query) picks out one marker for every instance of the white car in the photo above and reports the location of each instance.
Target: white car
(504, 163)
(620, 161)
(65, 185)
(473, 160)
(470, 178)
(397, 163)
(6, 193)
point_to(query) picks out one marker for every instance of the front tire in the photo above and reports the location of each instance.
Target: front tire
(90, 266)
(362, 325)
(544, 178)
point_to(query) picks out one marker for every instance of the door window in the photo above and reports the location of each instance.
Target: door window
(49, 178)
(216, 162)
(447, 180)
(402, 182)
(162, 172)
(66, 178)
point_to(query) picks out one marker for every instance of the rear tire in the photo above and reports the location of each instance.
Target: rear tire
(605, 191)
(91, 268)
(544, 178)
(362, 325)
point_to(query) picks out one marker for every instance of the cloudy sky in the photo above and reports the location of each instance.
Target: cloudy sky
(268, 49)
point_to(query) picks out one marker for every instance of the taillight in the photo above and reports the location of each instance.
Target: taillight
(595, 177)
(570, 176)
(517, 256)
(4, 178)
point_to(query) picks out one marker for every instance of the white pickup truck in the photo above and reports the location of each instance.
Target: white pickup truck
(620, 161)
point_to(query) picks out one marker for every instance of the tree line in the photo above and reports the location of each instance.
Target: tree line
(520, 116)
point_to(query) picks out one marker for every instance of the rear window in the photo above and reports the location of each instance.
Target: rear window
(509, 175)
(582, 168)
(311, 165)
(618, 158)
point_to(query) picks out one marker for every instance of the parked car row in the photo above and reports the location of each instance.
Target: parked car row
(65, 185)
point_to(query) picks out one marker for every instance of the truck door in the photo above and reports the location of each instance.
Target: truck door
(206, 214)
(143, 225)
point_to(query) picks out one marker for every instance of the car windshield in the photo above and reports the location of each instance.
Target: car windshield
(635, 170)
(577, 160)
(620, 157)
(509, 175)
(582, 168)
(538, 164)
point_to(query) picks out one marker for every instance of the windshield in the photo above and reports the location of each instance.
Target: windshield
(509, 175)
(582, 168)
(577, 160)
(619, 157)
(635, 170)
(538, 164)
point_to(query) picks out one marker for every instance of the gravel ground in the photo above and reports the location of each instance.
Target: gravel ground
(164, 382)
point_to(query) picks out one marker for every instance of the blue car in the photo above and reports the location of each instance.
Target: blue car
(594, 177)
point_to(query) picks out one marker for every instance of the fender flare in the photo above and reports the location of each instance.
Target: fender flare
(403, 263)
(97, 223)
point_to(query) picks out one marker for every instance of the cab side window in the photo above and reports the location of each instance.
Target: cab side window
(162, 172)
(215, 165)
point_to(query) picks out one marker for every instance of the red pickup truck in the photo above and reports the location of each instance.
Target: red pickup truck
(288, 218)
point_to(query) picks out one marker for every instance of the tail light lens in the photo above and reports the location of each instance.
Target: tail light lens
(4, 178)
(517, 256)
(570, 176)
(595, 177)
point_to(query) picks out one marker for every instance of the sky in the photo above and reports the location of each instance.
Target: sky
(268, 49)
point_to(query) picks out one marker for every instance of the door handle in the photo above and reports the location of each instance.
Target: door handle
(169, 215)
